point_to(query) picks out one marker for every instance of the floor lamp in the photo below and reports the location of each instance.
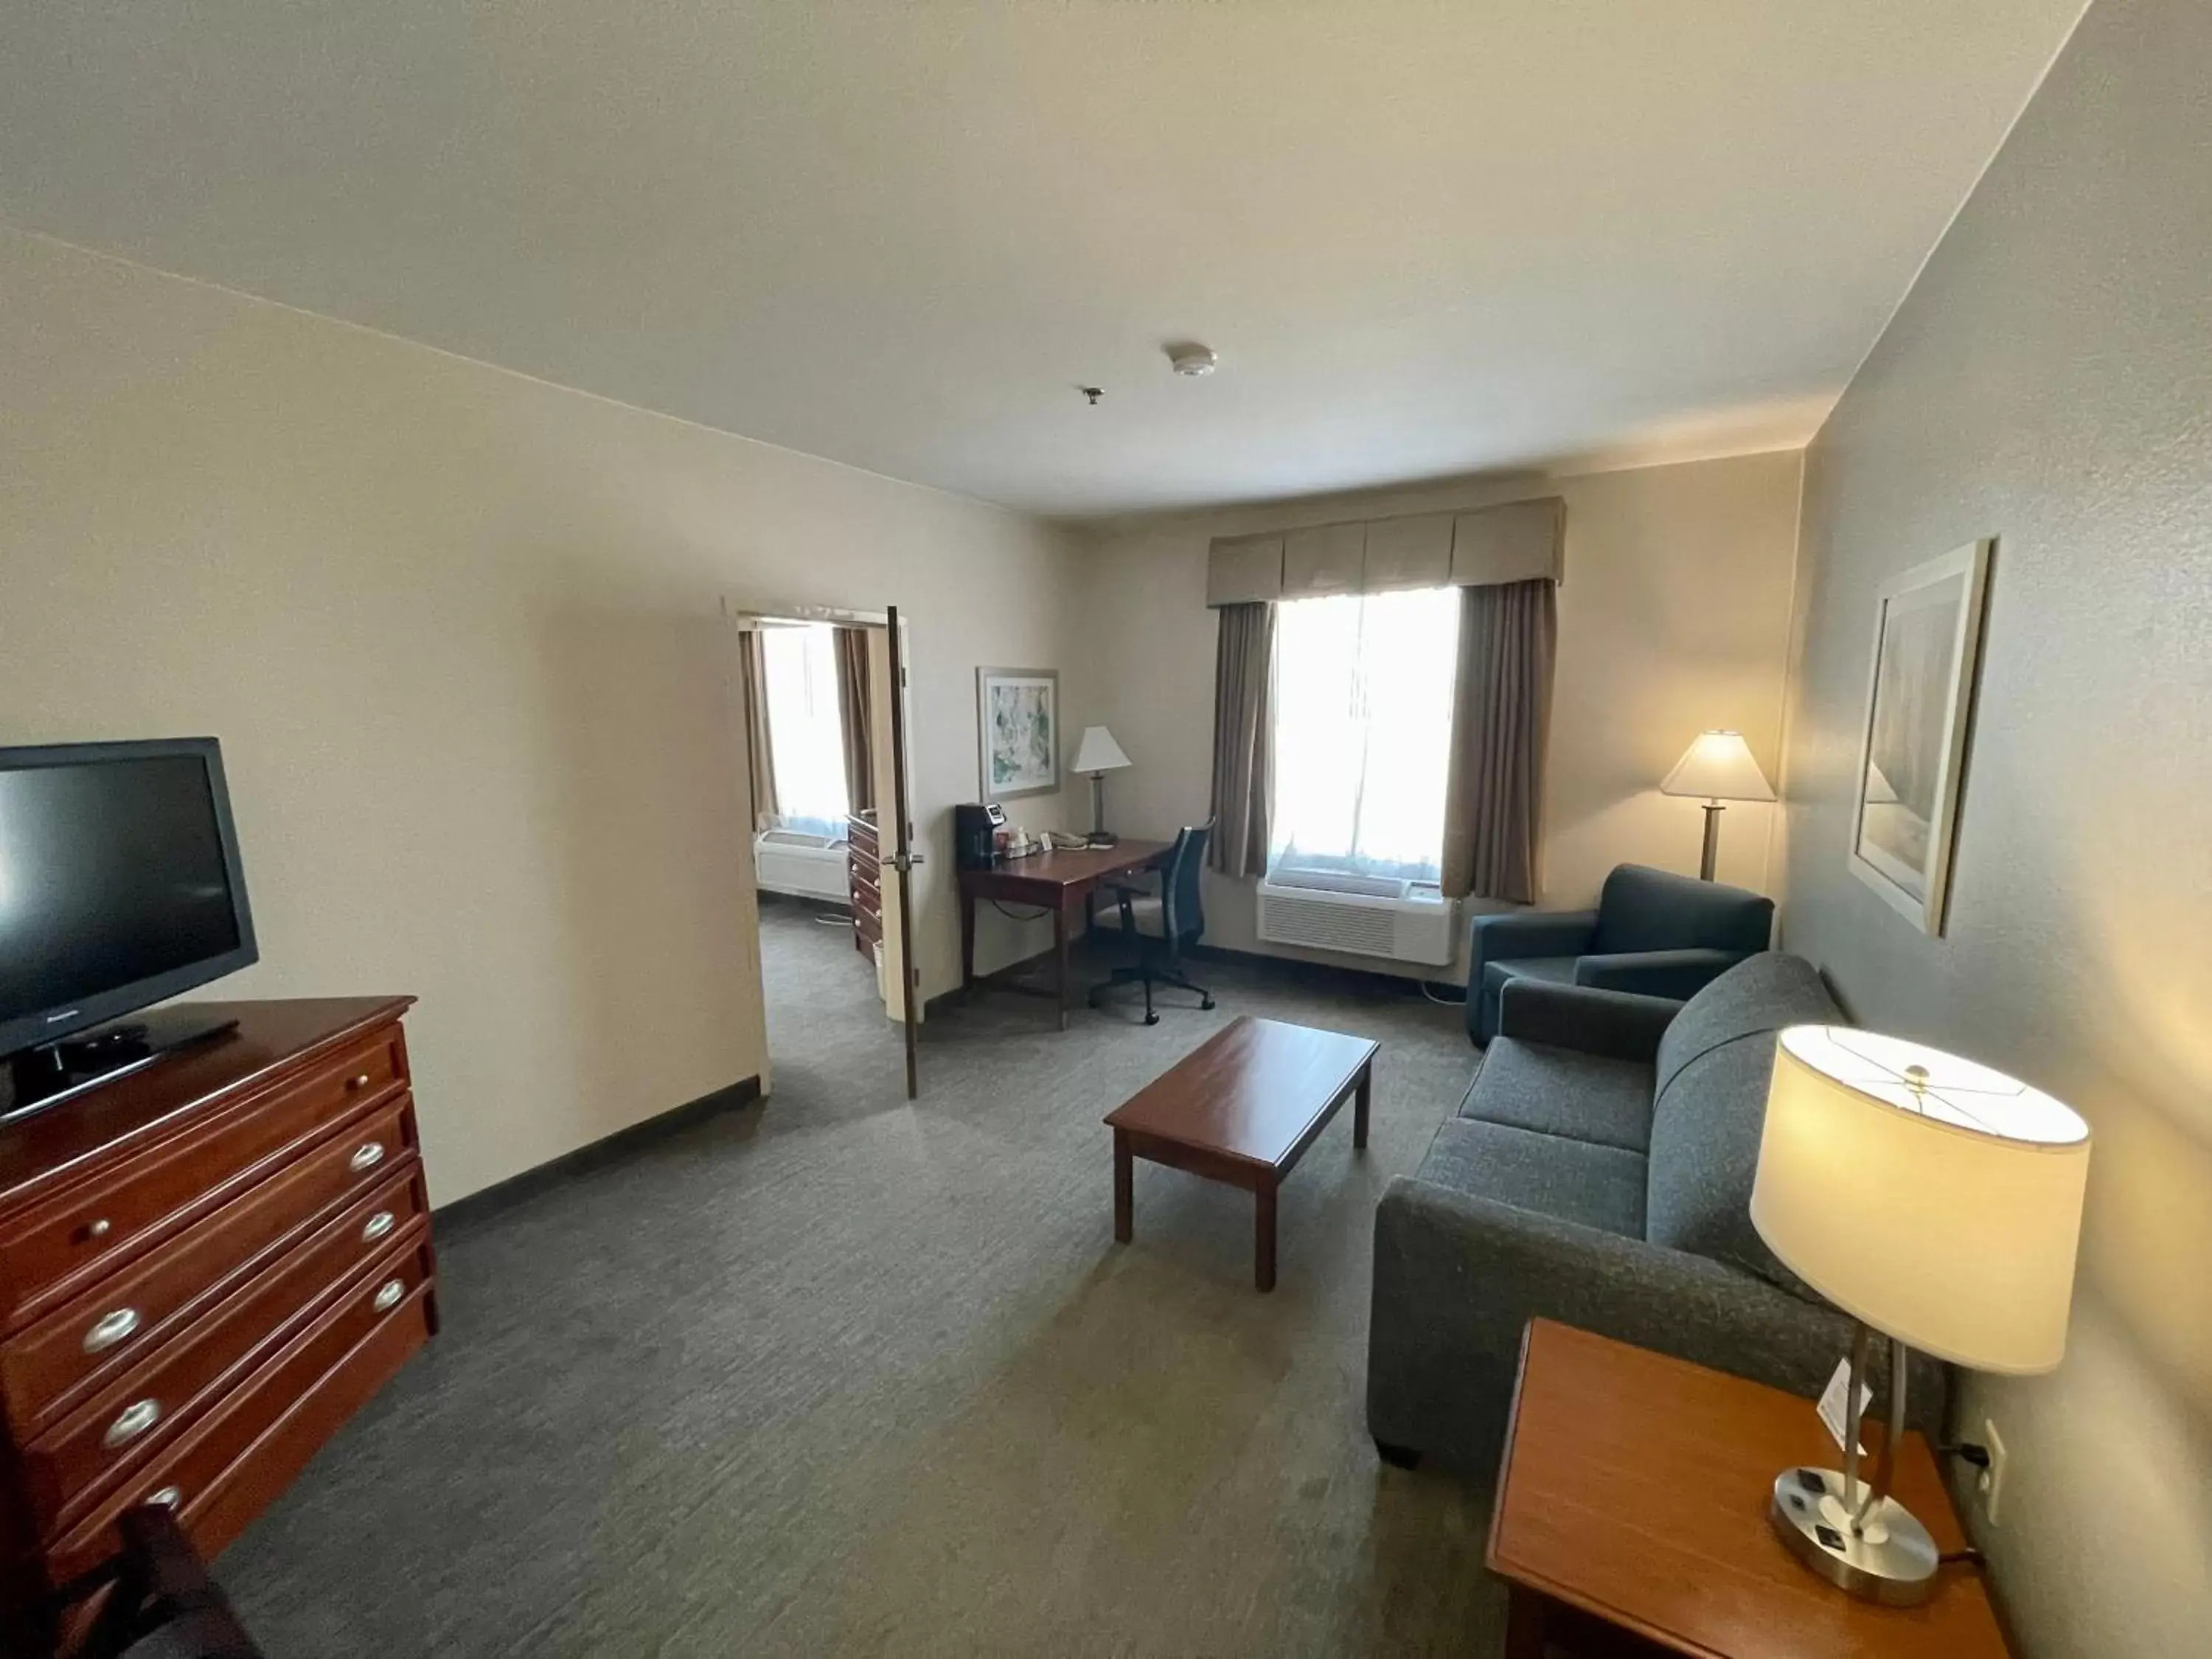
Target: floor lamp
(1718, 768)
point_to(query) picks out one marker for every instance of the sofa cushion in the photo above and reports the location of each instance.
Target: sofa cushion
(1563, 1091)
(1714, 1064)
(1580, 1181)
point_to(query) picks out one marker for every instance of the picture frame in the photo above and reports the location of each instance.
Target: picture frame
(1913, 733)
(1017, 732)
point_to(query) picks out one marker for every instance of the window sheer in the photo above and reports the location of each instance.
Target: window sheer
(801, 665)
(1363, 716)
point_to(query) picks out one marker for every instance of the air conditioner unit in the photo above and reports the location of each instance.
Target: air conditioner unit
(1363, 915)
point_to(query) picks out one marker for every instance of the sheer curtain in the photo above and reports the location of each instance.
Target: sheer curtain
(800, 667)
(1362, 726)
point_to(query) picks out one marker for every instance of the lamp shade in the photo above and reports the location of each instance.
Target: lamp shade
(1717, 767)
(1936, 1199)
(1098, 752)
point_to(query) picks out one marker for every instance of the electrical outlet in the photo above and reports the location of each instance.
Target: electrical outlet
(1991, 1484)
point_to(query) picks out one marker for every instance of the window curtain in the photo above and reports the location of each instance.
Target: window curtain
(759, 744)
(855, 717)
(1242, 671)
(1501, 722)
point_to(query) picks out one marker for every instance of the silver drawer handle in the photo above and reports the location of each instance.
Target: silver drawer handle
(368, 1158)
(135, 1421)
(167, 1498)
(388, 1297)
(356, 1085)
(101, 1228)
(378, 1224)
(110, 1329)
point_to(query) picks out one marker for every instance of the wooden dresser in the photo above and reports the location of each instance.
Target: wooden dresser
(206, 1266)
(864, 875)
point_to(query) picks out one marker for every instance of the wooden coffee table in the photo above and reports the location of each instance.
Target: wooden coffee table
(1242, 1108)
(1633, 1498)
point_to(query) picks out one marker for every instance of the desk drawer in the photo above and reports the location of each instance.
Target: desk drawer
(145, 1406)
(225, 1470)
(51, 1366)
(58, 1248)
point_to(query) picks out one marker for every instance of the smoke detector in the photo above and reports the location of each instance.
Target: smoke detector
(1191, 360)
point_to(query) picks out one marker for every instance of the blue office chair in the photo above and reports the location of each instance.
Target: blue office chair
(1162, 924)
(1653, 932)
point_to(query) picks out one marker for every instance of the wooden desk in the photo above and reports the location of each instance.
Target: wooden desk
(1634, 1496)
(1061, 882)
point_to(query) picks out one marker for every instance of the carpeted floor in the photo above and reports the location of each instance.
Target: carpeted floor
(837, 1374)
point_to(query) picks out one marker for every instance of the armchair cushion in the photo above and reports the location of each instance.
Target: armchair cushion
(1561, 1091)
(1641, 909)
(1676, 973)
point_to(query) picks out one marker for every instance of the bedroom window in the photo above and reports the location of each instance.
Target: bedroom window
(800, 666)
(1362, 732)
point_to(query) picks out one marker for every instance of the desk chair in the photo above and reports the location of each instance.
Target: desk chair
(161, 1603)
(1162, 924)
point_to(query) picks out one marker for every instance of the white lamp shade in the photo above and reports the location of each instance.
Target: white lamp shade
(1718, 767)
(1942, 1206)
(1098, 752)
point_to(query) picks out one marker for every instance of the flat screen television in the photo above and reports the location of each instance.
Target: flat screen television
(120, 886)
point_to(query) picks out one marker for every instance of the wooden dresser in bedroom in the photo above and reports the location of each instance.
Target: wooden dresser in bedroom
(206, 1266)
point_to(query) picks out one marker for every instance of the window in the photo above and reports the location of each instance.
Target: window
(1361, 736)
(800, 666)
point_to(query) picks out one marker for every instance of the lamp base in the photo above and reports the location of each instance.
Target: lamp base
(1891, 1561)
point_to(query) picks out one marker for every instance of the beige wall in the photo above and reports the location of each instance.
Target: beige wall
(460, 633)
(1674, 616)
(2048, 383)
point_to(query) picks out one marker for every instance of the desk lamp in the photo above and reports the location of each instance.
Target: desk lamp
(1934, 1201)
(1098, 754)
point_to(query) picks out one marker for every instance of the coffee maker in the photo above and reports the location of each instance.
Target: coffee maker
(975, 825)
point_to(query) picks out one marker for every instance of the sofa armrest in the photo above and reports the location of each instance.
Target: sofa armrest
(1619, 1025)
(1679, 973)
(1457, 1278)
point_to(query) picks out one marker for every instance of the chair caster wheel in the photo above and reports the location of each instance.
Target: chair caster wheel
(1208, 1004)
(1152, 1020)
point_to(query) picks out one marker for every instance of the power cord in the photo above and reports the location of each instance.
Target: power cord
(1459, 1001)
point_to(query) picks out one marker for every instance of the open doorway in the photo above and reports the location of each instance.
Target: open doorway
(825, 715)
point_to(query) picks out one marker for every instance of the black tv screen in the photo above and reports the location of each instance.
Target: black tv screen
(120, 883)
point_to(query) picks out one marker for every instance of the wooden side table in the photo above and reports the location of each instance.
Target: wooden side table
(1632, 1504)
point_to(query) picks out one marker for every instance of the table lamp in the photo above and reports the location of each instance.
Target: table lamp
(1719, 767)
(1934, 1201)
(1098, 754)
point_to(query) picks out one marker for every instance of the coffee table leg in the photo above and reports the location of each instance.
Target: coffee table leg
(1527, 1623)
(1359, 1107)
(1122, 1229)
(1263, 1236)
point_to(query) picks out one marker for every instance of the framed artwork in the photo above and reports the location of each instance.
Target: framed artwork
(1913, 743)
(1018, 729)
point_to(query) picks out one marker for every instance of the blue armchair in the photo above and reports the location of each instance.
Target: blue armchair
(1653, 933)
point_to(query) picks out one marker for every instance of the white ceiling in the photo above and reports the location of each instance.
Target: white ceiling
(1426, 238)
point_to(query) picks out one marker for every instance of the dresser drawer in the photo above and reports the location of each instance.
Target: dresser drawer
(224, 1470)
(56, 1250)
(48, 1367)
(145, 1406)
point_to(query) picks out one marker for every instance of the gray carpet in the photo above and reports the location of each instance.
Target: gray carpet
(838, 1374)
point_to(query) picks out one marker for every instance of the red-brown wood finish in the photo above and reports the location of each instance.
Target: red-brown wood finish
(864, 881)
(1634, 1494)
(206, 1266)
(1059, 882)
(1241, 1108)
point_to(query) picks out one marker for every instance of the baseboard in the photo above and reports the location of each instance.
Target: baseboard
(1325, 976)
(501, 1196)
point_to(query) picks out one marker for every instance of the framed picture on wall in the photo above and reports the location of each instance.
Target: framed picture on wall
(1912, 743)
(1018, 728)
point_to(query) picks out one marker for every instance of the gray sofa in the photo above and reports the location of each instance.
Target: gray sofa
(1598, 1172)
(1653, 932)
